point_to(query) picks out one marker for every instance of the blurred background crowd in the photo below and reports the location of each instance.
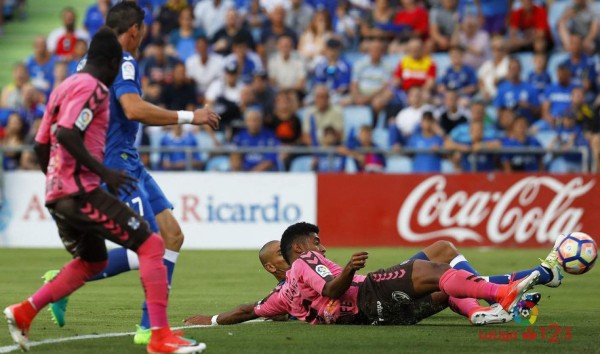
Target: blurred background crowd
(378, 85)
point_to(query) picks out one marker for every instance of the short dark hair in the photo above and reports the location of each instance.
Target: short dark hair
(124, 15)
(292, 234)
(104, 48)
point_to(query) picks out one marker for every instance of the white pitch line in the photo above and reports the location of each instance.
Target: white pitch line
(12, 348)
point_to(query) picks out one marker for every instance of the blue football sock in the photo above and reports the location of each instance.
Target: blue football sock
(420, 255)
(545, 276)
(169, 261)
(120, 260)
(460, 262)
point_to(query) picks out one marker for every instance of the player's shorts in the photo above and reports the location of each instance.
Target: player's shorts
(85, 221)
(387, 297)
(148, 199)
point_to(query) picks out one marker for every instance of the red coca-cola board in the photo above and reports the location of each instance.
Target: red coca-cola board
(505, 210)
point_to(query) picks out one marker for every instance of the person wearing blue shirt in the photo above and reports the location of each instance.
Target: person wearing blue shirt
(556, 101)
(568, 136)
(494, 14)
(539, 77)
(184, 37)
(247, 61)
(127, 112)
(469, 152)
(95, 15)
(582, 67)
(330, 162)
(426, 139)
(255, 135)
(459, 77)
(461, 133)
(520, 139)
(40, 66)
(176, 160)
(515, 94)
(332, 70)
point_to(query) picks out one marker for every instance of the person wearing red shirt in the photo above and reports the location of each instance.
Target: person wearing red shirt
(415, 16)
(415, 69)
(529, 28)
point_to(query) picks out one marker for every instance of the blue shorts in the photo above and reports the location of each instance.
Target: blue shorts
(148, 199)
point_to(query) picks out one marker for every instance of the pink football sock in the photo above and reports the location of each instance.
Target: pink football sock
(154, 279)
(462, 306)
(71, 277)
(462, 284)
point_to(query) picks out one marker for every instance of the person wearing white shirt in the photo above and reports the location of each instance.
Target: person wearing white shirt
(229, 89)
(204, 67)
(409, 118)
(287, 70)
(209, 15)
(66, 46)
(493, 71)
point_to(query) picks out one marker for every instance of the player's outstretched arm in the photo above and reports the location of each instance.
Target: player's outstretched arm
(340, 284)
(72, 141)
(240, 314)
(135, 108)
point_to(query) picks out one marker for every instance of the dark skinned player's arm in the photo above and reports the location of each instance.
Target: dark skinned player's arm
(240, 314)
(42, 151)
(72, 141)
(335, 288)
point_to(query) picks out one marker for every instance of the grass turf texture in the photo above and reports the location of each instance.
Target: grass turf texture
(212, 281)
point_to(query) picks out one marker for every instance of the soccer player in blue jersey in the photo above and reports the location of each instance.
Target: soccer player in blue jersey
(127, 111)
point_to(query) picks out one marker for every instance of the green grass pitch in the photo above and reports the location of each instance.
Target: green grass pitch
(213, 281)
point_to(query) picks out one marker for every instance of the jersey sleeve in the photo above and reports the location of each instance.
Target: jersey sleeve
(272, 305)
(77, 111)
(126, 82)
(313, 269)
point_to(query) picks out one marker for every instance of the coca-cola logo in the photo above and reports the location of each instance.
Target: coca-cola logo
(516, 212)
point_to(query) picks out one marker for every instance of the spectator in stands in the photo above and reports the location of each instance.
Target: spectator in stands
(269, 34)
(556, 100)
(426, 139)
(443, 25)
(470, 152)
(255, 135)
(515, 94)
(41, 65)
(256, 19)
(493, 71)
(59, 73)
(415, 17)
(460, 134)
(582, 67)
(12, 94)
(416, 69)
(333, 71)
(263, 93)
(209, 15)
(169, 16)
(371, 78)
(365, 161)
(183, 39)
(78, 54)
(453, 115)
(475, 41)
(459, 77)
(518, 137)
(287, 70)
(157, 70)
(408, 118)
(180, 95)
(95, 16)
(312, 42)
(321, 115)
(330, 162)
(285, 123)
(381, 14)
(222, 41)
(580, 18)
(568, 137)
(225, 95)
(493, 14)
(539, 77)
(33, 105)
(61, 41)
(344, 24)
(585, 118)
(298, 16)
(13, 138)
(246, 60)
(204, 67)
(175, 137)
(29, 159)
(529, 29)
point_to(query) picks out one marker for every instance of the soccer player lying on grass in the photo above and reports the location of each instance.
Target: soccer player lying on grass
(70, 147)
(440, 251)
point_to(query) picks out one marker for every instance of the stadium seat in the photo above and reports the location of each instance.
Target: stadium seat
(354, 118)
(301, 164)
(442, 63)
(218, 164)
(491, 112)
(205, 141)
(393, 59)
(545, 138)
(398, 164)
(447, 167)
(381, 138)
(553, 62)
(526, 60)
(353, 57)
(300, 113)
(351, 166)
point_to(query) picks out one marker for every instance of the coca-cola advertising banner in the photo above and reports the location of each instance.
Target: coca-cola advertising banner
(469, 210)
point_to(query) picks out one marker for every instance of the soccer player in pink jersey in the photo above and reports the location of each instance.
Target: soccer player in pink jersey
(70, 146)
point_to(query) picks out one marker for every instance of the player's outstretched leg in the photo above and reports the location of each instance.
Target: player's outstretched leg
(71, 277)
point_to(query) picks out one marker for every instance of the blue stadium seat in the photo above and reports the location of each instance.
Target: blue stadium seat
(491, 112)
(353, 57)
(393, 59)
(553, 63)
(381, 138)
(351, 166)
(300, 113)
(447, 167)
(526, 60)
(442, 63)
(398, 164)
(354, 118)
(545, 138)
(301, 164)
(205, 141)
(218, 164)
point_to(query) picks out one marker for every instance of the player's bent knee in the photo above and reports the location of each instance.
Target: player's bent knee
(448, 250)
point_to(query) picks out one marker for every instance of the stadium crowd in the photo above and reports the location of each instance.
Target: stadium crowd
(455, 77)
